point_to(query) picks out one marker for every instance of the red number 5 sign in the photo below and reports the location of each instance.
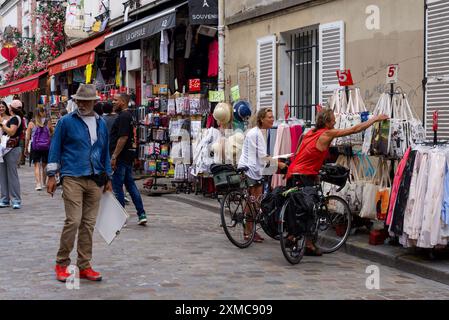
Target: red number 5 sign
(345, 78)
(392, 73)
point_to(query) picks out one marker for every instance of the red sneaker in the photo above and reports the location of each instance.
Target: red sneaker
(61, 273)
(90, 274)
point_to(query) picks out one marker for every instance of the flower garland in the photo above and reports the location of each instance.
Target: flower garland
(33, 57)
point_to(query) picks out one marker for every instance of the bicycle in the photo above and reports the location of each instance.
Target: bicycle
(328, 225)
(240, 212)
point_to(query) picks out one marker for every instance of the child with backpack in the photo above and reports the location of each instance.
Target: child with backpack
(38, 140)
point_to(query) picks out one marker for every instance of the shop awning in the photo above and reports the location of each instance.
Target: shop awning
(23, 85)
(142, 29)
(76, 57)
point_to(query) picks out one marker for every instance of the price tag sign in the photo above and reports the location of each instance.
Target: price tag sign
(194, 85)
(345, 78)
(392, 73)
(216, 96)
(235, 93)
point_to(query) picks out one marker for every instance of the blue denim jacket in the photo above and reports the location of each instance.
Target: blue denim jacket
(71, 152)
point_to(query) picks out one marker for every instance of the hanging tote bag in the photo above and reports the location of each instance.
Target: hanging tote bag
(354, 192)
(355, 107)
(383, 193)
(368, 134)
(380, 144)
(399, 129)
(417, 133)
(335, 105)
(369, 196)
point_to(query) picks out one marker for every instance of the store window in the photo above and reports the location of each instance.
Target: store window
(304, 69)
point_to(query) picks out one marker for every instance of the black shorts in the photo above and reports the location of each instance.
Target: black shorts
(39, 156)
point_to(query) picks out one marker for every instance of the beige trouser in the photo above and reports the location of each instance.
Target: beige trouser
(81, 200)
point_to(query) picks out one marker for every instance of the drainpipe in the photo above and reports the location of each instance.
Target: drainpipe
(126, 19)
(221, 44)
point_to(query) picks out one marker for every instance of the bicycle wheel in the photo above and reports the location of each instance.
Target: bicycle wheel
(334, 225)
(237, 218)
(292, 248)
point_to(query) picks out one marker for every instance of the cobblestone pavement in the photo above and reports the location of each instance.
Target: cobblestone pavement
(182, 254)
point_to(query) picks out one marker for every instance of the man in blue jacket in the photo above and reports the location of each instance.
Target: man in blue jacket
(80, 153)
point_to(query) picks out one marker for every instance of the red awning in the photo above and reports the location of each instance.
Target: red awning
(23, 85)
(76, 57)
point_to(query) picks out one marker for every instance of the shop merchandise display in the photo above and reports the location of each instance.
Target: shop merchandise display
(282, 139)
(349, 110)
(391, 138)
(419, 215)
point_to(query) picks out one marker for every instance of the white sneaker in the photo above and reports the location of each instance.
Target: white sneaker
(38, 187)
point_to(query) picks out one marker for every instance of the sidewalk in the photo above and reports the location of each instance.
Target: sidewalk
(408, 260)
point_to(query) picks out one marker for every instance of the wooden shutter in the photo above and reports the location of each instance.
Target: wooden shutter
(437, 66)
(332, 57)
(266, 73)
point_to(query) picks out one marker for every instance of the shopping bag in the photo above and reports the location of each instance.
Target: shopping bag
(416, 133)
(368, 134)
(370, 189)
(383, 194)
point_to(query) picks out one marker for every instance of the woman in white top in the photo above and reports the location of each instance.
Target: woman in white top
(4, 113)
(255, 157)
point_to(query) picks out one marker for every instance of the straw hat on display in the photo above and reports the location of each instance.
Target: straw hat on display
(222, 113)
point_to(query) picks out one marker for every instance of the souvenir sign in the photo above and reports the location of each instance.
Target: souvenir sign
(194, 85)
(235, 93)
(216, 96)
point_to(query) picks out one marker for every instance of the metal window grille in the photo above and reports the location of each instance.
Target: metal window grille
(304, 70)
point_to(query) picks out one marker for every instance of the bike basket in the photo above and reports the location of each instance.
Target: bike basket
(225, 177)
(334, 174)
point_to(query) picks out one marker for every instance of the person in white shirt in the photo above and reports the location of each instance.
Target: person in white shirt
(255, 157)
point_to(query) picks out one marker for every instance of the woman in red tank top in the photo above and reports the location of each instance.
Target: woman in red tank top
(313, 150)
(314, 147)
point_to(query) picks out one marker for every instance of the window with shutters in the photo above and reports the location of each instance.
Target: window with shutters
(266, 73)
(304, 69)
(437, 66)
(332, 57)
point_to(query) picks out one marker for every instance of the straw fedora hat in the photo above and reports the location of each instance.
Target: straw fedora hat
(87, 92)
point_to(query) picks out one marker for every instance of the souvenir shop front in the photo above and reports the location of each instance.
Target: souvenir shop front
(179, 66)
(86, 62)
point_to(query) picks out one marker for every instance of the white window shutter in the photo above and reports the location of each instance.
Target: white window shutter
(332, 57)
(437, 67)
(266, 72)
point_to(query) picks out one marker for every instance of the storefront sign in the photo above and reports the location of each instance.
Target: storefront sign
(194, 85)
(140, 30)
(216, 96)
(235, 93)
(345, 78)
(203, 12)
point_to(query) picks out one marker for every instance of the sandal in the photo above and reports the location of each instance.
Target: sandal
(258, 238)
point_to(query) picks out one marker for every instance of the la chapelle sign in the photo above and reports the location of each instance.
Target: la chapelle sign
(203, 12)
